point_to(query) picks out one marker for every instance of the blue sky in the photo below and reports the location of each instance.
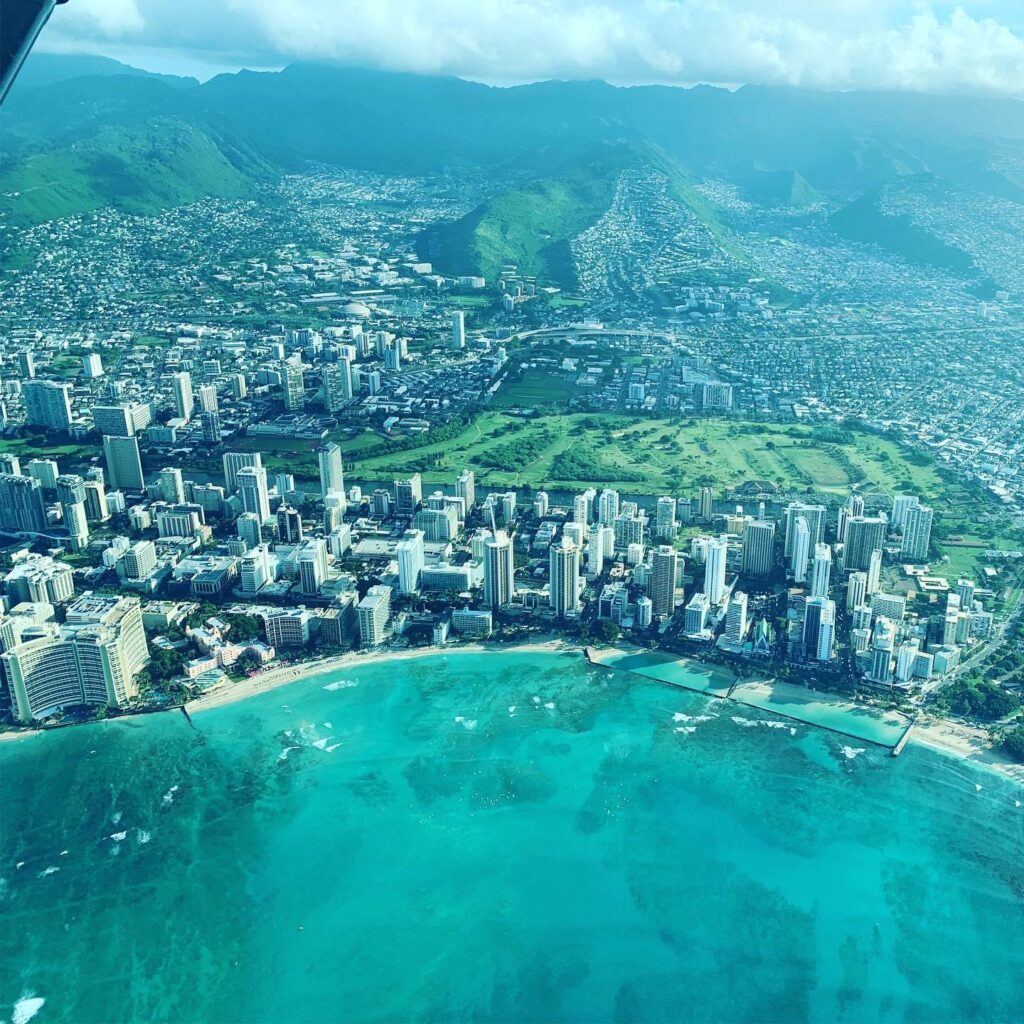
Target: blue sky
(927, 45)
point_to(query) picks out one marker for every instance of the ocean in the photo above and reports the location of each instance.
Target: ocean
(501, 837)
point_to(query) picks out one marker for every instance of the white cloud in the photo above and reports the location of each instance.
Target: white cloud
(902, 44)
(107, 18)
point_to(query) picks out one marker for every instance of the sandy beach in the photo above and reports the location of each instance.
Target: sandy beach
(275, 678)
(20, 734)
(952, 738)
(966, 742)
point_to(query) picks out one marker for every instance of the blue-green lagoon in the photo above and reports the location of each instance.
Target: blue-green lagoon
(501, 836)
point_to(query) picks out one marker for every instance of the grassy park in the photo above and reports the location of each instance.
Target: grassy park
(656, 456)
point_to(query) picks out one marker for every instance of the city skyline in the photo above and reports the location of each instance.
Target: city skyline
(512, 554)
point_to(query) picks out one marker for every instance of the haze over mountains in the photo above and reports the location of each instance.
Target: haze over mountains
(80, 133)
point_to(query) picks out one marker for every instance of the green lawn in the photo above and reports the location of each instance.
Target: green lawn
(656, 456)
(26, 448)
(533, 387)
(966, 552)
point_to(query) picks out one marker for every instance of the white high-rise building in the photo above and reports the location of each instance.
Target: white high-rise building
(138, 562)
(121, 420)
(906, 656)
(252, 489)
(373, 613)
(254, 570)
(819, 628)
(208, 398)
(736, 618)
(249, 527)
(854, 507)
(172, 487)
(465, 488)
(47, 404)
(664, 573)
(499, 570)
(965, 589)
(184, 402)
(93, 658)
(458, 330)
(312, 563)
(665, 519)
(564, 565)
(576, 532)
(595, 551)
(336, 379)
(96, 501)
(873, 577)
(45, 471)
(821, 571)
(714, 570)
(856, 590)
(917, 534)
(580, 510)
(508, 506)
(814, 519)
(71, 495)
(707, 503)
(607, 507)
(410, 561)
(695, 620)
(233, 462)
(901, 505)
(882, 644)
(800, 551)
(332, 474)
(293, 381)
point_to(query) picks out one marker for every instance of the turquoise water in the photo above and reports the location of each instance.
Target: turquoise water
(669, 669)
(396, 844)
(883, 727)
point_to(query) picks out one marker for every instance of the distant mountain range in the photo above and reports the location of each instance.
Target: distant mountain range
(83, 132)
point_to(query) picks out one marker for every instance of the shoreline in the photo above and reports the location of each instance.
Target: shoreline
(952, 739)
(275, 679)
(966, 743)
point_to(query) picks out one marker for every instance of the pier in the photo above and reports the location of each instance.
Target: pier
(904, 739)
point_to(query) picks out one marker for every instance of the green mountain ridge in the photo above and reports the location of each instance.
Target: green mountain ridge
(85, 133)
(532, 225)
(140, 169)
(863, 220)
(781, 188)
(49, 68)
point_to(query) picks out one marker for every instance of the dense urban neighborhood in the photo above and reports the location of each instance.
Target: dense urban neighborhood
(245, 434)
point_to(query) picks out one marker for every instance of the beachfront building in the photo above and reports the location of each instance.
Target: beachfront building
(94, 659)
(499, 570)
(373, 612)
(564, 565)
